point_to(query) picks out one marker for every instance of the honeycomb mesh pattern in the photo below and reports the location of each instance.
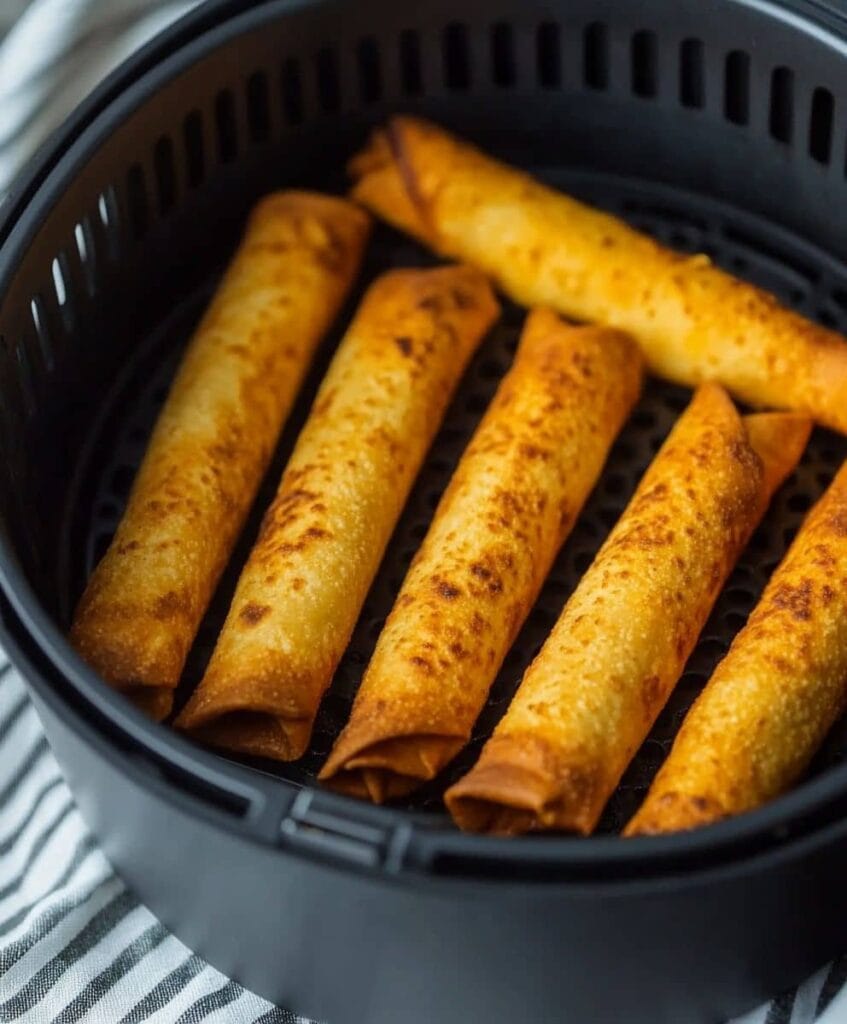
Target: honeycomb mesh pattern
(749, 248)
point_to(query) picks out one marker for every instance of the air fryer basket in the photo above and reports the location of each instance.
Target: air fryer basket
(717, 127)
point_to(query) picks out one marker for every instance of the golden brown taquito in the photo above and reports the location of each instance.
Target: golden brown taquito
(771, 700)
(213, 439)
(513, 499)
(693, 321)
(301, 591)
(589, 699)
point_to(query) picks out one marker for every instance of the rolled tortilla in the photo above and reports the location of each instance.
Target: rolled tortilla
(770, 702)
(513, 499)
(693, 321)
(589, 699)
(212, 442)
(301, 591)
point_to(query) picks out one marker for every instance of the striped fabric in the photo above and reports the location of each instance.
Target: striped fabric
(75, 944)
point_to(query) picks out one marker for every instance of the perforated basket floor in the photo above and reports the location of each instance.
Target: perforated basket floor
(800, 275)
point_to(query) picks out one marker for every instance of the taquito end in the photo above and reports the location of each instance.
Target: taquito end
(379, 185)
(778, 438)
(673, 812)
(247, 730)
(388, 768)
(514, 788)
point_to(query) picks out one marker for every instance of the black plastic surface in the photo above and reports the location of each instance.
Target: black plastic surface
(718, 126)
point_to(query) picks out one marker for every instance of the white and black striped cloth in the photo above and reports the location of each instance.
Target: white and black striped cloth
(75, 943)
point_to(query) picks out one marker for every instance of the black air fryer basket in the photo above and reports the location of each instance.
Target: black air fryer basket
(717, 126)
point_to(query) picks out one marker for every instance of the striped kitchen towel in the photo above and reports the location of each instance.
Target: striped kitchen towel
(75, 943)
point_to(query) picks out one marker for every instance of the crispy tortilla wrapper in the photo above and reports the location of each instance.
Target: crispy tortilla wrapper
(693, 321)
(770, 702)
(588, 700)
(212, 442)
(322, 540)
(513, 499)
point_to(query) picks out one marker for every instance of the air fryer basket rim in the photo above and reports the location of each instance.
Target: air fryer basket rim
(47, 174)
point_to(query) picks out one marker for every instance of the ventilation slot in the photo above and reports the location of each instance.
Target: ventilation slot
(645, 61)
(457, 58)
(108, 220)
(692, 78)
(258, 107)
(59, 283)
(410, 63)
(549, 55)
(370, 72)
(192, 132)
(137, 201)
(226, 127)
(84, 238)
(820, 125)
(595, 70)
(329, 88)
(737, 87)
(292, 92)
(781, 119)
(39, 322)
(163, 160)
(502, 55)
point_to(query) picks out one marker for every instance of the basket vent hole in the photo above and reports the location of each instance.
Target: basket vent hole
(370, 72)
(548, 53)
(737, 87)
(84, 240)
(826, 317)
(503, 70)
(457, 58)
(595, 68)
(799, 502)
(410, 63)
(734, 621)
(782, 104)
(137, 200)
(292, 92)
(329, 87)
(258, 107)
(36, 308)
(820, 125)
(645, 64)
(476, 404)
(692, 79)
(59, 282)
(490, 369)
(163, 159)
(81, 243)
(192, 133)
(226, 127)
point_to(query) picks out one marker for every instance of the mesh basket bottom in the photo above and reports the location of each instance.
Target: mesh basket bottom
(801, 276)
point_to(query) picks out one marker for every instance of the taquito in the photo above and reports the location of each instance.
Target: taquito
(771, 700)
(512, 501)
(213, 440)
(589, 699)
(693, 321)
(323, 537)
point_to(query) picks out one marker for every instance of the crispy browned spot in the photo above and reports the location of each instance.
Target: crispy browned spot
(252, 613)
